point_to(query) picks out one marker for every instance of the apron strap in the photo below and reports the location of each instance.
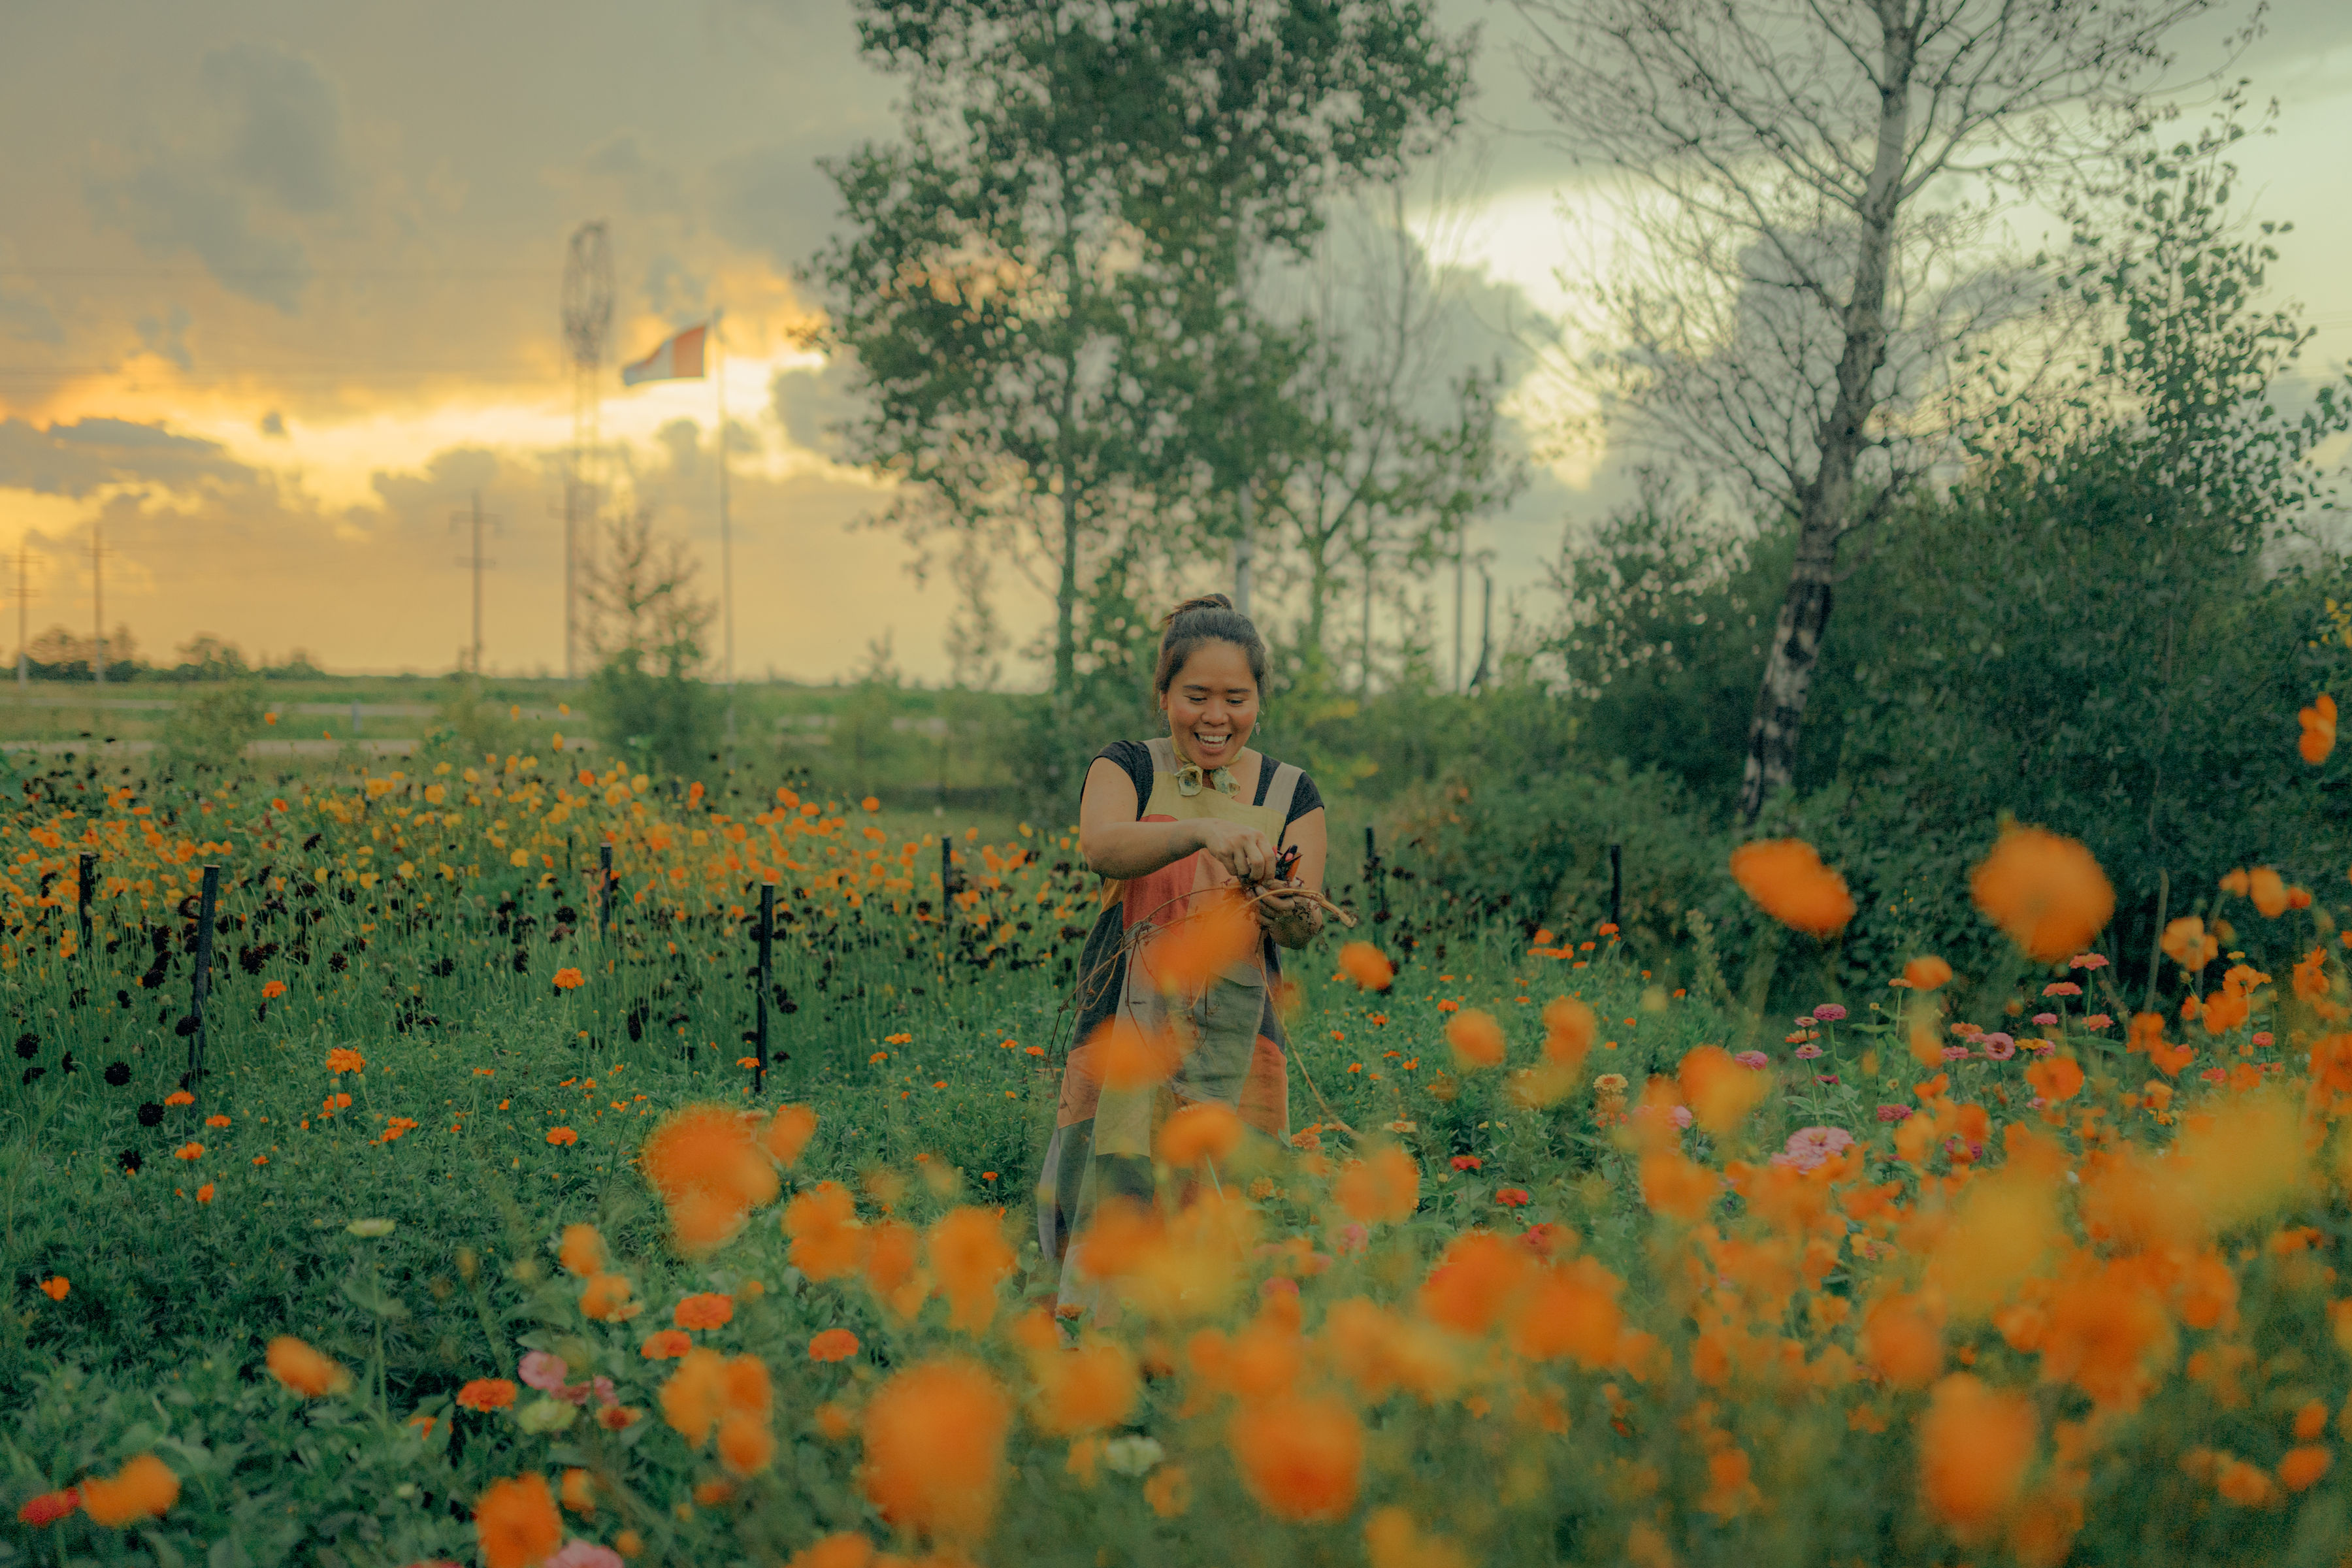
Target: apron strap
(1164, 759)
(1280, 792)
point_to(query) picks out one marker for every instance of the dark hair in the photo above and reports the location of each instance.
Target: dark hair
(1209, 618)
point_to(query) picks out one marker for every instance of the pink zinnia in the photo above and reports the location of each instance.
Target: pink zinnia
(2045, 1020)
(543, 1372)
(1955, 1053)
(578, 1553)
(1829, 1012)
(2061, 988)
(2086, 960)
(1810, 1147)
(1894, 1112)
(2098, 1021)
(2262, 1038)
(1755, 1061)
(1352, 1237)
(1808, 1052)
(1681, 1115)
(1828, 1078)
(1998, 1047)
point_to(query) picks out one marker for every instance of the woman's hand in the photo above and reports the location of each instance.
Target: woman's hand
(1244, 851)
(1292, 912)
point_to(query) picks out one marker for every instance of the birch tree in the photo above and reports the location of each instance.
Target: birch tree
(1810, 183)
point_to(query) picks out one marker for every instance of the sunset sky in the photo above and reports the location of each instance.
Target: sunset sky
(278, 293)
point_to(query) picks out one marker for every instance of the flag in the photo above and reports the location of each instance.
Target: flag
(678, 359)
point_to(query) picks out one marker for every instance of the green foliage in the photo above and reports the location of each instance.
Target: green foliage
(208, 731)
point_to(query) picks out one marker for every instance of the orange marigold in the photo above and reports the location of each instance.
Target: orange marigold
(568, 979)
(1926, 973)
(2318, 723)
(2046, 891)
(1788, 882)
(517, 1523)
(561, 1136)
(1382, 1186)
(665, 1344)
(826, 1239)
(1474, 1280)
(1569, 1029)
(710, 1171)
(833, 1344)
(746, 1443)
(848, 1550)
(970, 1257)
(695, 1395)
(1302, 1459)
(1477, 1038)
(487, 1393)
(935, 1448)
(143, 1488)
(1209, 1131)
(304, 1370)
(605, 1299)
(2303, 1466)
(1367, 965)
(789, 1133)
(582, 1252)
(1975, 1444)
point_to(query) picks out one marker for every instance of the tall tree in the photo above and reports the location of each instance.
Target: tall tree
(1069, 210)
(1782, 150)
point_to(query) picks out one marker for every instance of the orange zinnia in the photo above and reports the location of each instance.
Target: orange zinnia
(665, 1344)
(2046, 891)
(833, 1344)
(695, 1395)
(1367, 965)
(569, 980)
(935, 1448)
(560, 1136)
(1301, 1458)
(517, 1523)
(487, 1393)
(605, 1299)
(143, 1488)
(304, 1370)
(1788, 882)
(1087, 1389)
(708, 1310)
(1926, 973)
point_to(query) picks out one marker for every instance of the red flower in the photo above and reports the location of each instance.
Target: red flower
(1466, 1161)
(1514, 1197)
(487, 1393)
(49, 1507)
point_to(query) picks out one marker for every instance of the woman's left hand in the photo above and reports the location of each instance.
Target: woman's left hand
(1292, 912)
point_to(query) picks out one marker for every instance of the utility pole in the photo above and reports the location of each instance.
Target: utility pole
(97, 604)
(726, 536)
(478, 560)
(24, 610)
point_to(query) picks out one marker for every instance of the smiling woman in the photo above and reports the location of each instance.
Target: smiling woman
(1211, 855)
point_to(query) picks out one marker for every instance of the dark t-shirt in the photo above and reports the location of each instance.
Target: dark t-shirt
(1134, 758)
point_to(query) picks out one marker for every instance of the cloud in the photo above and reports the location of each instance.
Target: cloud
(286, 135)
(88, 455)
(773, 199)
(166, 337)
(450, 480)
(269, 151)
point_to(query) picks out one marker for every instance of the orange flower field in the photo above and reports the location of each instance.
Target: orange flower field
(512, 1248)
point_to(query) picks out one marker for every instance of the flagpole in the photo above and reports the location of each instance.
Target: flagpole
(726, 538)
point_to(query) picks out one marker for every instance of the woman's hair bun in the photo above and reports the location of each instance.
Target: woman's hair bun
(1198, 602)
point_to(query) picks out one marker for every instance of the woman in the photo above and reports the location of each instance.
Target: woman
(1173, 823)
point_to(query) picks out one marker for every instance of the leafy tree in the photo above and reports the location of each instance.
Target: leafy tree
(1040, 271)
(647, 696)
(1793, 303)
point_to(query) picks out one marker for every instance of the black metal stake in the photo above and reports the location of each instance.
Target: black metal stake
(766, 977)
(604, 890)
(88, 890)
(1616, 884)
(202, 984)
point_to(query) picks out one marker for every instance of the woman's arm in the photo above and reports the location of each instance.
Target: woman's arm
(1115, 844)
(1293, 919)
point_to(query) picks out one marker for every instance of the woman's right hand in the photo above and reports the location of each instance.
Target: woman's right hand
(1247, 853)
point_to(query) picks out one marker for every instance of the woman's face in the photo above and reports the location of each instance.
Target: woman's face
(1212, 705)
